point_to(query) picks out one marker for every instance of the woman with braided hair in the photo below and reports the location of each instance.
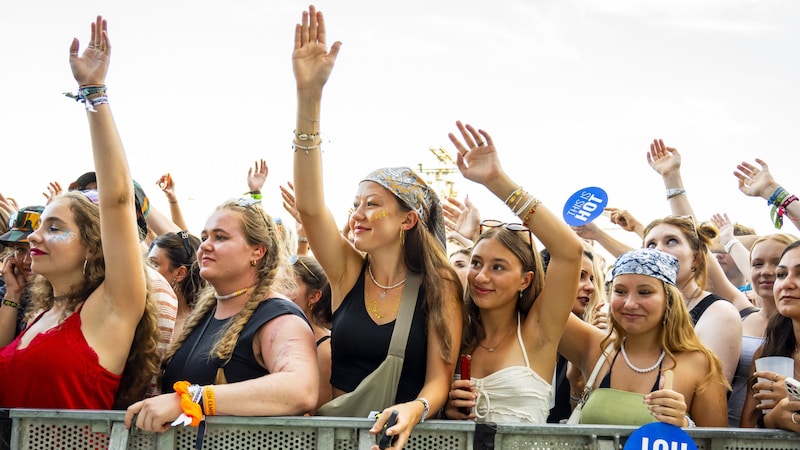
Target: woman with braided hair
(245, 350)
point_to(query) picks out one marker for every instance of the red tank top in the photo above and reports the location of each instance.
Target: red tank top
(57, 370)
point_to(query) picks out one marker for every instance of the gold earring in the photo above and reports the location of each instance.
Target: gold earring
(253, 262)
(85, 262)
(402, 237)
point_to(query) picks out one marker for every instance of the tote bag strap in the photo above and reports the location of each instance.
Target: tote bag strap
(588, 387)
(402, 325)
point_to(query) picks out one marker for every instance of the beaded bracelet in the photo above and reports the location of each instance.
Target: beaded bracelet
(306, 136)
(531, 211)
(11, 303)
(297, 146)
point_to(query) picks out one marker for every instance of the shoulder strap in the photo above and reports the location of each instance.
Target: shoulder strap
(701, 307)
(402, 325)
(747, 311)
(600, 361)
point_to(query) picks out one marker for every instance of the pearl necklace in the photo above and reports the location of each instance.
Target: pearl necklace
(385, 288)
(232, 295)
(637, 369)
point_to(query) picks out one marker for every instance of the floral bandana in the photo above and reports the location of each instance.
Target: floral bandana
(647, 261)
(413, 192)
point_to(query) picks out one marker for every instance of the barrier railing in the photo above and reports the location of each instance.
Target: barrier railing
(57, 429)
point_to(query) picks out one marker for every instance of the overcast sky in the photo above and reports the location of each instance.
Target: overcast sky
(572, 92)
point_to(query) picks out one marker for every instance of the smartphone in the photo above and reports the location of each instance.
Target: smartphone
(466, 362)
(793, 388)
(384, 440)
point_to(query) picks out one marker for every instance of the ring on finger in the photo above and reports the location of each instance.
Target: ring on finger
(771, 385)
(775, 378)
(480, 143)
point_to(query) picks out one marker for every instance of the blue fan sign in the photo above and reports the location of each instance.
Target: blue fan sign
(584, 206)
(659, 436)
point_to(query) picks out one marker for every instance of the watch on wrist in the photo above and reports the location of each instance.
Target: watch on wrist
(426, 408)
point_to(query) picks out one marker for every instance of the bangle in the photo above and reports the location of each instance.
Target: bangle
(525, 206)
(674, 192)
(689, 422)
(11, 303)
(728, 245)
(302, 239)
(209, 401)
(794, 421)
(512, 195)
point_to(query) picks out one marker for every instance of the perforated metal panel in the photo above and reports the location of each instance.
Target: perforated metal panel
(437, 440)
(41, 434)
(247, 438)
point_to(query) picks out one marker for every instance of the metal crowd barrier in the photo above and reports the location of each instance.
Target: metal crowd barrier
(58, 429)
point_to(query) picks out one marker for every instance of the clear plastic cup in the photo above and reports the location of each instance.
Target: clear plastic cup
(782, 365)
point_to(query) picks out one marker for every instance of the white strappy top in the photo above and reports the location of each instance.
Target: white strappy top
(514, 394)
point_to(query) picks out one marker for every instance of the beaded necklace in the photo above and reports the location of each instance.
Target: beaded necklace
(232, 295)
(637, 369)
(385, 288)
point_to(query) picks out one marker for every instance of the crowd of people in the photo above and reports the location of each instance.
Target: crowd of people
(414, 306)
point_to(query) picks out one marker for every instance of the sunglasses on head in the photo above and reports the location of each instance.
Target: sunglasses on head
(187, 246)
(294, 259)
(253, 204)
(508, 226)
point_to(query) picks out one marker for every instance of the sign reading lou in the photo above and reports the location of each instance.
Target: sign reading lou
(659, 436)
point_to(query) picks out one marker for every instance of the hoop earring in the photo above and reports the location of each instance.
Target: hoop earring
(402, 237)
(85, 262)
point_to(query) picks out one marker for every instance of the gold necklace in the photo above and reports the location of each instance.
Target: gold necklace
(385, 288)
(491, 349)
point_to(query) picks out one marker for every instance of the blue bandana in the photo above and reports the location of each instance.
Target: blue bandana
(647, 261)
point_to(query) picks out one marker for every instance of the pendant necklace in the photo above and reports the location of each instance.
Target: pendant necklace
(637, 369)
(491, 349)
(385, 288)
(232, 295)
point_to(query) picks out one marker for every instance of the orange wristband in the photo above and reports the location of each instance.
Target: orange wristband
(190, 408)
(208, 400)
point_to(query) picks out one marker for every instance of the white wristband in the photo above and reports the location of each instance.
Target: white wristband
(728, 245)
(674, 192)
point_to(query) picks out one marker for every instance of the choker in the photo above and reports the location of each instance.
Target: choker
(232, 295)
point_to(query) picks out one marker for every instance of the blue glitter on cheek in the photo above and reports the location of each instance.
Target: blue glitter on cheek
(64, 238)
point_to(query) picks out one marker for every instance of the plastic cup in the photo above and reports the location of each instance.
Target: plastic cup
(782, 365)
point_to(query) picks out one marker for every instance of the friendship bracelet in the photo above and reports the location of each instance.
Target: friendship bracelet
(774, 196)
(306, 136)
(296, 146)
(519, 200)
(83, 96)
(525, 206)
(674, 192)
(777, 212)
(11, 303)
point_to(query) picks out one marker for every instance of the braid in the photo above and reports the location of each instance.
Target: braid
(205, 301)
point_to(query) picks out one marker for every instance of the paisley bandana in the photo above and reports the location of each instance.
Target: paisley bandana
(647, 261)
(414, 193)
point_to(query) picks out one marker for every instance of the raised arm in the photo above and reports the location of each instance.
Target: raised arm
(478, 161)
(593, 232)
(312, 64)
(758, 182)
(167, 185)
(124, 287)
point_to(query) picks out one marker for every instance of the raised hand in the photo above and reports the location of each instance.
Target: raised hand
(8, 204)
(462, 218)
(53, 189)
(311, 61)
(477, 157)
(755, 182)
(91, 67)
(663, 159)
(257, 176)
(625, 219)
(167, 185)
(725, 226)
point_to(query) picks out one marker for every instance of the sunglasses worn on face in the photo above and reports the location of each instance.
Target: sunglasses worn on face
(294, 259)
(508, 226)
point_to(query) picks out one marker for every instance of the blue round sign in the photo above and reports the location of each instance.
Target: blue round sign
(659, 436)
(584, 206)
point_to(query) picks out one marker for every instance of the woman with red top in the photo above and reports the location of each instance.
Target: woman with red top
(92, 337)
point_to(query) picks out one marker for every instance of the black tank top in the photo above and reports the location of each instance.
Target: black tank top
(192, 361)
(606, 382)
(359, 345)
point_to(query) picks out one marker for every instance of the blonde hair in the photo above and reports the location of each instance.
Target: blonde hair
(700, 238)
(273, 272)
(676, 334)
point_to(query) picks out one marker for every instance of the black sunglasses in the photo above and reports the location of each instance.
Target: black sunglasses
(508, 226)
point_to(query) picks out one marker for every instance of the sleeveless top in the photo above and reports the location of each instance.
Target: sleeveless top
(607, 406)
(359, 345)
(193, 362)
(697, 312)
(740, 388)
(57, 370)
(513, 394)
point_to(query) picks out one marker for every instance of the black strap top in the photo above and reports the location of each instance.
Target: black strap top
(606, 382)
